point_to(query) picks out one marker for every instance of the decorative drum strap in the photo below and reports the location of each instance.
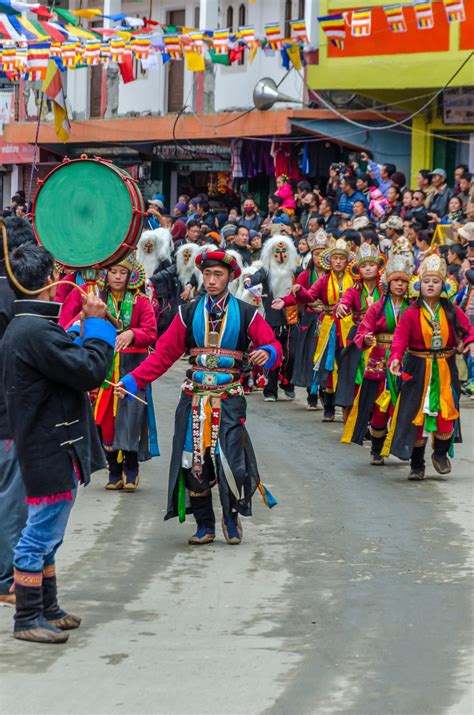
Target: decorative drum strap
(383, 340)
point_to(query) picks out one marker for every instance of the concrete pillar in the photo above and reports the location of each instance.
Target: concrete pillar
(421, 147)
(111, 7)
(311, 12)
(208, 14)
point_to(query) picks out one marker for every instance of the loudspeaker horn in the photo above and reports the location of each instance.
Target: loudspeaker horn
(266, 94)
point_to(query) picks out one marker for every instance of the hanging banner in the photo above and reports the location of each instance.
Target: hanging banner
(335, 28)
(424, 15)
(298, 31)
(455, 10)
(220, 41)
(396, 18)
(361, 23)
(274, 35)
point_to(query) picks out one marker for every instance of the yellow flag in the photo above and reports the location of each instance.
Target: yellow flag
(294, 55)
(194, 61)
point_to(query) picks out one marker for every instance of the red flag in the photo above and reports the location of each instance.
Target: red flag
(126, 69)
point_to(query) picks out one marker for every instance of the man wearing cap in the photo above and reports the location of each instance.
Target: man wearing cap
(210, 429)
(440, 199)
(393, 229)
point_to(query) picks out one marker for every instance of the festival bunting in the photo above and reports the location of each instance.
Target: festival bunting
(247, 33)
(455, 10)
(298, 31)
(53, 89)
(221, 41)
(70, 54)
(396, 18)
(173, 47)
(424, 15)
(335, 28)
(8, 56)
(274, 35)
(92, 53)
(361, 23)
(141, 45)
(37, 60)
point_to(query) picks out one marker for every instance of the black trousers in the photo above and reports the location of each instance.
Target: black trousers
(286, 336)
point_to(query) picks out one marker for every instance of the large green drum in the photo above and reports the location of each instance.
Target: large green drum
(88, 213)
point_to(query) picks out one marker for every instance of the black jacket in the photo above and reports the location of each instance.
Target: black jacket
(6, 314)
(45, 375)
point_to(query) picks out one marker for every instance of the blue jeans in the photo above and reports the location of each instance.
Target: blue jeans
(13, 510)
(42, 535)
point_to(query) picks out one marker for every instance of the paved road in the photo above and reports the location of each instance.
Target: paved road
(352, 596)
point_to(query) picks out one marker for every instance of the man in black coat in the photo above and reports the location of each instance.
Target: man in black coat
(45, 376)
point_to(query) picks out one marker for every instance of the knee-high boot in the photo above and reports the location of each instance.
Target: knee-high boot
(52, 611)
(417, 463)
(329, 406)
(439, 458)
(30, 624)
(377, 438)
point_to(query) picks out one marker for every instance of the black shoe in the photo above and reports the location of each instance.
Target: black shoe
(416, 475)
(53, 614)
(441, 463)
(377, 459)
(328, 416)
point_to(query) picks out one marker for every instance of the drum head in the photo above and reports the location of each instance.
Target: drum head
(83, 213)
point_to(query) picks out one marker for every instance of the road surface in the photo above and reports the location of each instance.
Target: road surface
(352, 596)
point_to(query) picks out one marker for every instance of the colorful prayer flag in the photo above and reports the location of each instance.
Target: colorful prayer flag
(194, 60)
(141, 45)
(274, 35)
(53, 89)
(105, 53)
(424, 15)
(455, 10)
(14, 7)
(173, 46)
(196, 43)
(92, 52)
(298, 30)
(221, 41)
(88, 13)
(335, 28)
(247, 33)
(69, 54)
(117, 50)
(8, 60)
(361, 23)
(38, 58)
(21, 58)
(395, 18)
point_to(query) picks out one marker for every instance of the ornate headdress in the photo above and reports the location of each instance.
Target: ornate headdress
(339, 248)
(318, 240)
(137, 276)
(399, 265)
(433, 265)
(221, 257)
(366, 253)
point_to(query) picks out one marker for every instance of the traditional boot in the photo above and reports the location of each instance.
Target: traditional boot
(201, 503)
(115, 472)
(30, 625)
(329, 406)
(131, 471)
(377, 438)
(232, 528)
(417, 463)
(439, 458)
(52, 612)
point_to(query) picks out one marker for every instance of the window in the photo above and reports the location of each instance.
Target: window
(230, 18)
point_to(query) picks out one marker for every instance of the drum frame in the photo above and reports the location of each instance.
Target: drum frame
(136, 222)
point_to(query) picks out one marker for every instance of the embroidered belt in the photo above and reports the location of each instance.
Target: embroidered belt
(134, 350)
(327, 308)
(316, 306)
(436, 354)
(233, 389)
(383, 340)
(236, 354)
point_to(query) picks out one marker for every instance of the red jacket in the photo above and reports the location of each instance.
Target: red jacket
(408, 334)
